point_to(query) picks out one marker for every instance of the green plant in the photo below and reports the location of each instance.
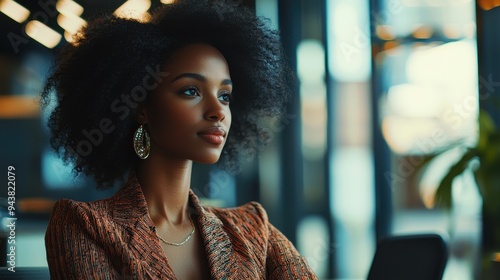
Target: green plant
(486, 154)
(487, 174)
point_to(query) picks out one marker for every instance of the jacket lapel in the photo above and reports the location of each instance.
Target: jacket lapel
(222, 260)
(129, 210)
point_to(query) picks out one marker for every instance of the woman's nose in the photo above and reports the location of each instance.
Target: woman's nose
(215, 110)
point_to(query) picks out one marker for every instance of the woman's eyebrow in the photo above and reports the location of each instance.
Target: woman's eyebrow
(200, 78)
(227, 82)
(190, 75)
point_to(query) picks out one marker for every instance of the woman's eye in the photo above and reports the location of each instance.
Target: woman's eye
(190, 92)
(225, 97)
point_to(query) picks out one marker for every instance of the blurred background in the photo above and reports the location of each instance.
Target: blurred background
(384, 86)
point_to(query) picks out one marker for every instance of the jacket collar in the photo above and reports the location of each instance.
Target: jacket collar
(129, 207)
(129, 204)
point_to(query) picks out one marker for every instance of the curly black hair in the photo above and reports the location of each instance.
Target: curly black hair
(97, 79)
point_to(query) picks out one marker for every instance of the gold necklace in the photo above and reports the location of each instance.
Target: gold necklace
(185, 240)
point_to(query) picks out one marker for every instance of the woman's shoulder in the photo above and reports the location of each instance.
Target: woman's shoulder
(253, 210)
(251, 215)
(70, 212)
(69, 207)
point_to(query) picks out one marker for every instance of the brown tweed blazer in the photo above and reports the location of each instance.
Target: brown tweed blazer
(115, 238)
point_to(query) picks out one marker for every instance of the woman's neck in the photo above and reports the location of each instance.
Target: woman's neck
(165, 184)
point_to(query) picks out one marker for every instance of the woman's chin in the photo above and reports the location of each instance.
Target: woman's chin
(209, 159)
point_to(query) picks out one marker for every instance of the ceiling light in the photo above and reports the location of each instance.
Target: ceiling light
(14, 10)
(43, 34)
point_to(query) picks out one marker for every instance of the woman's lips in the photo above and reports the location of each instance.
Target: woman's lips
(214, 135)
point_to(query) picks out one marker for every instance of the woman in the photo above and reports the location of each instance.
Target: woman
(144, 101)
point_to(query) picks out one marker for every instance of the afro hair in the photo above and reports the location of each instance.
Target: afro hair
(96, 80)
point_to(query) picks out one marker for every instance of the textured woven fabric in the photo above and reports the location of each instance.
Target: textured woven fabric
(115, 238)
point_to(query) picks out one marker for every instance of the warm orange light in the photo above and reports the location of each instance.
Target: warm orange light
(14, 10)
(36, 205)
(488, 4)
(134, 9)
(71, 23)
(452, 31)
(384, 32)
(423, 32)
(167, 1)
(428, 196)
(390, 45)
(18, 107)
(403, 134)
(69, 7)
(69, 37)
(496, 257)
(43, 34)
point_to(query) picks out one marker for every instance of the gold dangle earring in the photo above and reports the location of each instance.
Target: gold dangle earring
(142, 142)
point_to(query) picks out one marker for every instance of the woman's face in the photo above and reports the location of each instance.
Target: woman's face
(188, 115)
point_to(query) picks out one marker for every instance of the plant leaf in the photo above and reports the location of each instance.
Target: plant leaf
(422, 166)
(486, 128)
(443, 193)
(491, 153)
